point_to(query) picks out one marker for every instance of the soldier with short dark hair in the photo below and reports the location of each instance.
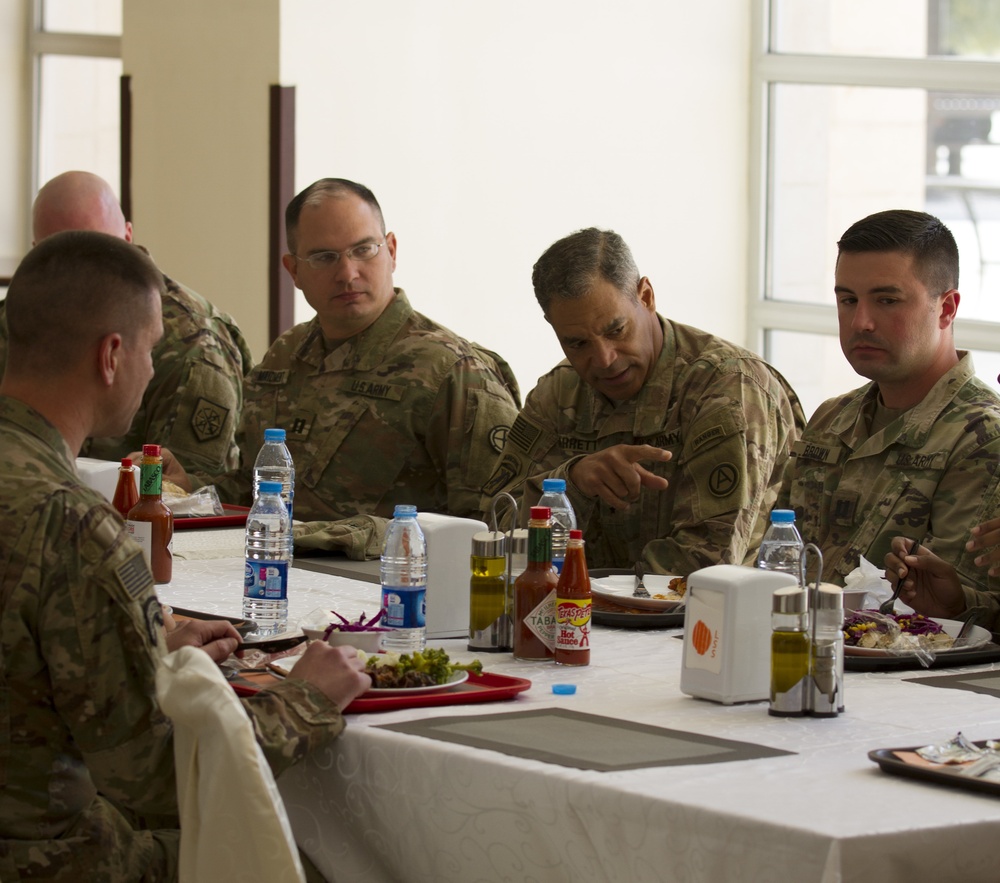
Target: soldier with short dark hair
(915, 451)
(671, 440)
(87, 780)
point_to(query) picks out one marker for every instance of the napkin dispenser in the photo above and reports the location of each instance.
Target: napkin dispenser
(449, 541)
(727, 633)
(102, 475)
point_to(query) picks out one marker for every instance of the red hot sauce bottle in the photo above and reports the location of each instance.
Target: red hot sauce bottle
(150, 521)
(535, 592)
(126, 493)
(573, 606)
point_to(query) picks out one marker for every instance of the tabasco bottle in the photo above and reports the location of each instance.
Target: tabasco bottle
(126, 493)
(535, 592)
(573, 603)
(150, 521)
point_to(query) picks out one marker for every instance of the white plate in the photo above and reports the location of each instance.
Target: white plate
(459, 677)
(619, 588)
(976, 638)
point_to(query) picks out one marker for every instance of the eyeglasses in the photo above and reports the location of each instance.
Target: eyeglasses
(323, 260)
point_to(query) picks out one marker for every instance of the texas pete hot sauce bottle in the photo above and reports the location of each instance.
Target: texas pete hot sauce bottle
(573, 606)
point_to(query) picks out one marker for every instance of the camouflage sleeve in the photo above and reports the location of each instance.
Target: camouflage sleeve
(103, 642)
(290, 719)
(735, 443)
(471, 416)
(195, 410)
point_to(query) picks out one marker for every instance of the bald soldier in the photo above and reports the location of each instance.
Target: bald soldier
(380, 404)
(86, 754)
(193, 403)
(671, 441)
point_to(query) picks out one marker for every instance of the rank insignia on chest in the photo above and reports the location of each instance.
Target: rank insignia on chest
(842, 509)
(300, 425)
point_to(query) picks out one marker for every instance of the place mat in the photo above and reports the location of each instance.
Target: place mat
(987, 682)
(584, 741)
(953, 659)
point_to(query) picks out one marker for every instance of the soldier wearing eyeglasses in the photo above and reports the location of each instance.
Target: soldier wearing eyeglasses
(380, 405)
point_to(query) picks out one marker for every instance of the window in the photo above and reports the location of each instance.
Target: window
(863, 105)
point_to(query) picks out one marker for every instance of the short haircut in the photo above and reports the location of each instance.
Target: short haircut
(315, 193)
(570, 267)
(72, 289)
(918, 234)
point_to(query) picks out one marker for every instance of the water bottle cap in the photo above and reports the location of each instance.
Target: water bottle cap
(269, 487)
(274, 435)
(553, 485)
(782, 516)
(404, 510)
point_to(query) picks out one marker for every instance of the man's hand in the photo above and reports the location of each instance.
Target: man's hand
(216, 637)
(930, 585)
(172, 469)
(337, 671)
(615, 474)
(984, 536)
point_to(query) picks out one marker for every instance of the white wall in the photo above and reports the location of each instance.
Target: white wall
(15, 145)
(489, 131)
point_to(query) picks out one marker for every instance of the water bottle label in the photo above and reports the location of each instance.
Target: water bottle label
(266, 580)
(405, 608)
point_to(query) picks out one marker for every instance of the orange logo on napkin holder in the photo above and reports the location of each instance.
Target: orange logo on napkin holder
(701, 637)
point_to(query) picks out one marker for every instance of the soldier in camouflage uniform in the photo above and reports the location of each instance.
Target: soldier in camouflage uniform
(194, 401)
(380, 404)
(915, 451)
(87, 784)
(671, 441)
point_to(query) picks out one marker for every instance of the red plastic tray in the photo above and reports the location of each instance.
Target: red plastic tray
(235, 516)
(486, 687)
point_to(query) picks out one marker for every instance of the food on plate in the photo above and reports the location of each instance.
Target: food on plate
(360, 625)
(676, 589)
(423, 668)
(894, 631)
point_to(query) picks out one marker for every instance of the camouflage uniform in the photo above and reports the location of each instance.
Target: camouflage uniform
(404, 412)
(87, 787)
(192, 404)
(727, 417)
(930, 475)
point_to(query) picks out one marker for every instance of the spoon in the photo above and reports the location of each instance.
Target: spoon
(640, 589)
(888, 606)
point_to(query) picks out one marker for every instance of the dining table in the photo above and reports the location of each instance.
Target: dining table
(773, 798)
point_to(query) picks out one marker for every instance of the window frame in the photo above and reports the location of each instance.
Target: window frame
(768, 69)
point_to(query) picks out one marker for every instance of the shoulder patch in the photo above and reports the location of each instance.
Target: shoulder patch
(134, 575)
(504, 473)
(498, 437)
(524, 434)
(724, 479)
(207, 419)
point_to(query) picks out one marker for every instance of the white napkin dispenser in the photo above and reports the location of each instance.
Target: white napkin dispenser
(102, 475)
(449, 545)
(727, 633)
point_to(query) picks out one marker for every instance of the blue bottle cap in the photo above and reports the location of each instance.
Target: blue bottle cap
(553, 485)
(269, 487)
(564, 689)
(404, 510)
(782, 516)
(274, 435)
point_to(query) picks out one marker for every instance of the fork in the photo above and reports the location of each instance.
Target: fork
(640, 589)
(888, 606)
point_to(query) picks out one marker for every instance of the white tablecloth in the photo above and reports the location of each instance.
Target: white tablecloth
(382, 806)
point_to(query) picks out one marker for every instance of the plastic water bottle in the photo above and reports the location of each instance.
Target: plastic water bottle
(268, 558)
(404, 583)
(274, 463)
(563, 517)
(781, 548)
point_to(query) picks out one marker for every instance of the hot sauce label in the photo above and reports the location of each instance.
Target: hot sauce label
(573, 623)
(542, 620)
